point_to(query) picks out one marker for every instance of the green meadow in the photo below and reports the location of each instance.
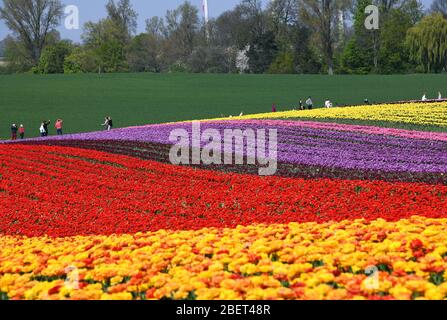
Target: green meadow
(136, 99)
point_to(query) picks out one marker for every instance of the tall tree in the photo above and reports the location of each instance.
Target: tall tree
(182, 25)
(143, 54)
(360, 53)
(323, 16)
(427, 43)
(155, 26)
(231, 29)
(53, 57)
(101, 42)
(283, 15)
(439, 6)
(393, 54)
(252, 12)
(124, 17)
(32, 21)
(262, 52)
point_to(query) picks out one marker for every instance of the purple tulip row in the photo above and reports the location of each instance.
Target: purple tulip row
(301, 145)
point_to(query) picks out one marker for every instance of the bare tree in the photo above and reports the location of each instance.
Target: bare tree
(155, 26)
(32, 21)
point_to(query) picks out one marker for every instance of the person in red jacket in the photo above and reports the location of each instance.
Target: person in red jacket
(22, 131)
(58, 125)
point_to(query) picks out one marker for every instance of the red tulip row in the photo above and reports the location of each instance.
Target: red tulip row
(67, 191)
(160, 153)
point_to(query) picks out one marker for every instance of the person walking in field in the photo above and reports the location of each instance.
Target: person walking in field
(424, 97)
(273, 108)
(309, 103)
(301, 105)
(439, 96)
(58, 125)
(22, 132)
(14, 130)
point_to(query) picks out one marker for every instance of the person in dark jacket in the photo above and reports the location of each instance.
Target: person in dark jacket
(14, 130)
(45, 126)
(110, 124)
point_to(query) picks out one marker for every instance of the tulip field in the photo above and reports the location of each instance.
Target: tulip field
(354, 212)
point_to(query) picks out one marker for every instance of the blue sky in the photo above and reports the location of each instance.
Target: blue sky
(93, 10)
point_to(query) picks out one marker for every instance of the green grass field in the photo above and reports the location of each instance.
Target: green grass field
(135, 99)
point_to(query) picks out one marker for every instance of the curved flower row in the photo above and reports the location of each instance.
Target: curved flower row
(160, 153)
(420, 113)
(65, 191)
(426, 135)
(305, 144)
(404, 260)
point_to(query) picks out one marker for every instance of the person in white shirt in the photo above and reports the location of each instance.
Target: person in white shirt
(439, 96)
(309, 103)
(424, 97)
(42, 130)
(328, 104)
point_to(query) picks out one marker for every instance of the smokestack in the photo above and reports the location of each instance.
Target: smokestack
(205, 10)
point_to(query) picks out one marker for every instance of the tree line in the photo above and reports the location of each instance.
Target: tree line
(286, 36)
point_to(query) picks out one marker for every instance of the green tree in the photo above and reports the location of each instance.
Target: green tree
(182, 27)
(427, 43)
(323, 17)
(284, 63)
(393, 54)
(359, 53)
(107, 50)
(80, 61)
(282, 17)
(53, 57)
(262, 52)
(124, 17)
(143, 54)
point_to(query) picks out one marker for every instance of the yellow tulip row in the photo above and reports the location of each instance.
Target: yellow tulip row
(433, 114)
(345, 260)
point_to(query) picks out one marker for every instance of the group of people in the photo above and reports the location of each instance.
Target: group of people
(424, 97)
(309, 105)
(17, 130)
(43, 130)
